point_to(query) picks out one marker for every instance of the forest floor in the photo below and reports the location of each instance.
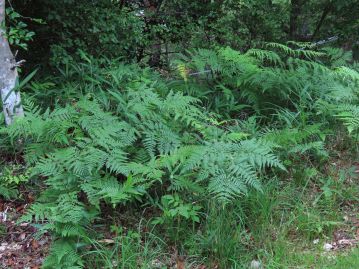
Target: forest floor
(22, 248)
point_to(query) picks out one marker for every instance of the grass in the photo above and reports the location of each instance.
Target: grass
(289, 256)
(280, 224)
(276, 227)
(127, 250)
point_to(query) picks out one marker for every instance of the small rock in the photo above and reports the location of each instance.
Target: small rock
(316, 241)
(15, 246)
(327, 247)
(156, 264)
(256, 265)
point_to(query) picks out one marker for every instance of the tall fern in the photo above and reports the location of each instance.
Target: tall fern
(114, 147)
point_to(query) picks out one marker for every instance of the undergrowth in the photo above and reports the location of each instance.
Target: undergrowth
(230, 157)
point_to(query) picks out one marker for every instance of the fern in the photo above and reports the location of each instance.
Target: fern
(87, 154)
(230, 168)
(349, 115)
(337, 57)
(8, 192)
(132, 134)
(266, 56)
(309, 54)
(64, 255)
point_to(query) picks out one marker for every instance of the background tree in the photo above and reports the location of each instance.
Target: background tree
(11, 100)
(151, 32)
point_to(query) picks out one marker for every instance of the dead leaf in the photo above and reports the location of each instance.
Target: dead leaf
(346, 242)
(34, 244)
(22, 236)
(20, 208)
(107, 241)
(180, 263)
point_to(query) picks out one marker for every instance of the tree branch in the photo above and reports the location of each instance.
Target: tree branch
(325, 13)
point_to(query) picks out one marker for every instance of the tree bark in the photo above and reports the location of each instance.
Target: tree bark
(11, 100)
(296, 9)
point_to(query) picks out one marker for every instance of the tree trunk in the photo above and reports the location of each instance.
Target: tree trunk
(11, 100)
(296, 9)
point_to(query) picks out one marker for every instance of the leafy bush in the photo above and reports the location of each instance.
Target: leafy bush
(97, 27)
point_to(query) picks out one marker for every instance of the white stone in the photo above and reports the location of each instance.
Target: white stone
(256, 265)
(327, 247)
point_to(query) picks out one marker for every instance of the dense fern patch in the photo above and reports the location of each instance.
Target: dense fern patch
(120, 135)
(88, 154)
